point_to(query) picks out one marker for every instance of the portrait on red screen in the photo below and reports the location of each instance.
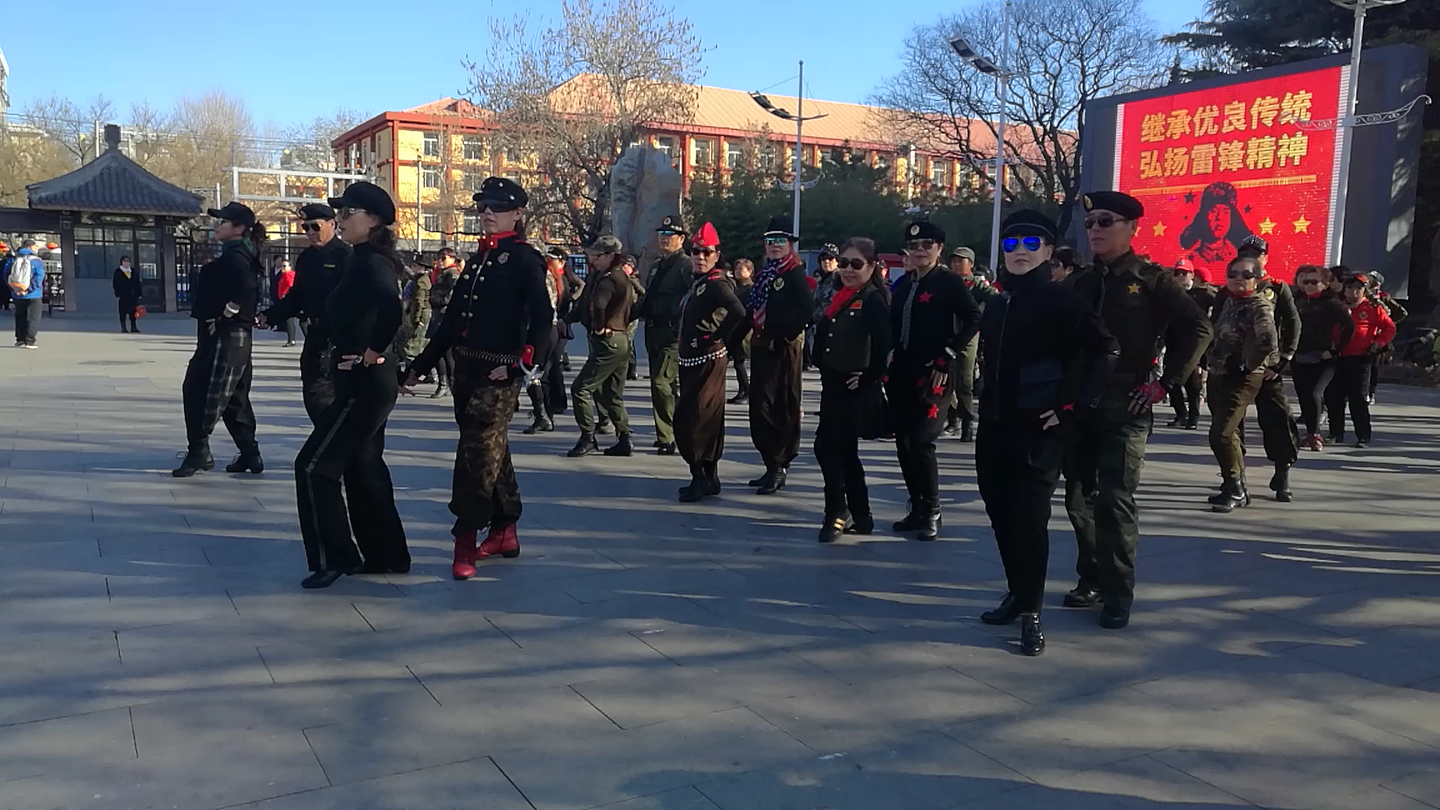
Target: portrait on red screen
(1215, 166)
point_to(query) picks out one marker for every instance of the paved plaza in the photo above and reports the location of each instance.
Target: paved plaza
(156, 650)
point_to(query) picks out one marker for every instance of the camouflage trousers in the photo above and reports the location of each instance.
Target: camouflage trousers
(483, 489)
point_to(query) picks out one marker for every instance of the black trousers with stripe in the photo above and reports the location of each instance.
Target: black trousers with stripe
(348, 445)
(217, 386)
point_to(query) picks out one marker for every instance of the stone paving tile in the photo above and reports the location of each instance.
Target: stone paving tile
(686, 798)
(476, 783)
(1140, 783)
(65, 744)
(1422, 786)
(1398, 657)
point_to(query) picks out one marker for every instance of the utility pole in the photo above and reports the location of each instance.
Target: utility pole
(1000, 140)
(419, 204)
(799, 149)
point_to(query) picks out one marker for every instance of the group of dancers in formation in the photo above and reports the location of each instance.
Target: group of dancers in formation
(1069, 376)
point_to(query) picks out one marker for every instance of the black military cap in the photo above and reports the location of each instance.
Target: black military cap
(924, 229)
(235, 212)
(1255, 244)
(829, 251)
(557, 252)
(672, 224)
(317, 211)
(781, 226)
(501, 194)
(367, 196)
(1115, 202)
(1029, 223)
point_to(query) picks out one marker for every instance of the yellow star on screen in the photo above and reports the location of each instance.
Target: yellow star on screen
(1267, 227)
(1134, 289)
(1302, 225)
(1159, 229)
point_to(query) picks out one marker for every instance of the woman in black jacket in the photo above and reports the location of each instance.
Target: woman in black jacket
(1046, 352)
(348, 442)
(126, 284)
(852, 346)
(1325, 329)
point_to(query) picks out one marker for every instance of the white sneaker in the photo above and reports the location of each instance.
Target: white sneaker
(31, 346)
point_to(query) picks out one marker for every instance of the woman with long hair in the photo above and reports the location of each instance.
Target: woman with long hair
(1325, 329)
(852, 346)
(348, 442)
(498, 321)
(217, 381)
(1046, 351)
(1247, 343)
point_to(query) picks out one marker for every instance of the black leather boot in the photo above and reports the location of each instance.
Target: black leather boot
(1007, 612)
(622, 447)
(1032, 637)
(1280, 484)
(834, 526)
(773, 483)
(251, 463)
(861, 524)
(1233, 495)
(930, 529)
(584, 446)
(1082, 595)
(194, 461)
(542, 424)
(914, 519)
(967, 431)
(755, 482)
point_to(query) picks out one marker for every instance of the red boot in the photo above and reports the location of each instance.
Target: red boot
(464, 566)
(501, 541)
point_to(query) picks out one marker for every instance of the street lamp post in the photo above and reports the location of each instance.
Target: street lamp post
(799, 118)
(1347, 118)
(1002, 75)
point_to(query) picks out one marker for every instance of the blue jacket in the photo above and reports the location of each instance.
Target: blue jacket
(37, 277)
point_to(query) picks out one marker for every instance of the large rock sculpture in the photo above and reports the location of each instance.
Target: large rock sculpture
(644, 189)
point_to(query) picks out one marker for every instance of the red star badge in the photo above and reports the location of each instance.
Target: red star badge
(937, 389)
(934, 412)
(925, 298)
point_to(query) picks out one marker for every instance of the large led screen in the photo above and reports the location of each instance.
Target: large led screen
(1214, 166)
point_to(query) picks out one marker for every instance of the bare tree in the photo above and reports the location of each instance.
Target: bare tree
(69, 124)
(310, 143)
(1062, 55)
(28, 156)
(574, 95)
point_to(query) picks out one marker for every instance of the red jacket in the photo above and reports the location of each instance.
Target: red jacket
(1372, 327)
(284, 283)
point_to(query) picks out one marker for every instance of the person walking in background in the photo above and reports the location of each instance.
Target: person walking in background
(666, 283)
(348, 442)
(417, 312)
(852, 346)
(824, 287)
(284, 283)
(1272, 408)
(1373, 332)
(739, 348)
(780, 306)
(25, 276)
(1376, 292)
(497, 322)
(444, 273)
(962, 405)
(542, 398)
(604, 311)
(1185, 396)
(217, 381)
(1325, 329)
(1246, 346)
(126, 284)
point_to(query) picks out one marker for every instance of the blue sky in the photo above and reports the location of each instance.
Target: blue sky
(293, 61)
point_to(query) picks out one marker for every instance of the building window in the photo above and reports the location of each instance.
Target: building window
(704, 153)
(940, 173)
(472, 223)
(373, 147)
(765, 156)
(512, 154)
(471, 181)
(839, 155)
(734, 155)
(473, 147)
(665, 144)
(432, 144)
(431, 222)
(430, 178)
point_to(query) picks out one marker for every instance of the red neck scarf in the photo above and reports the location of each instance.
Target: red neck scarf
(842, 297)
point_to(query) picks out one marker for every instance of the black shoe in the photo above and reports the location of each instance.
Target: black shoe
(603, 429)
(585, 446)
(1192, 423)
(253, 464)
(740, 398)
(1006, 613)
(1113, 617)
(322, 579)
(1335, 438)
(135, 330)
(542, 424)
(755, 482)
(931, 524)
(631, 376)
(1280, 484)
(914, 519)
(1032, 637)
(124, 331)
(952, 427)
(193, 463)
(967, 433)
(666, 449)
(773, 483)
(1233, 495)
(622, 447)
(861, 524)
(289, 343)
(1082, 596)
(833, 527)
(1178, 421)
(700, 487)
(1362, 444)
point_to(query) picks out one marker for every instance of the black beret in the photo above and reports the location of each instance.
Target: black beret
(924, 229)
(502, 194)
(672, 224)
(1115, 202)
(1029, 223)
(367, 196)
(235, 212)
(317, 211)
(781, 226)
(1255, 243)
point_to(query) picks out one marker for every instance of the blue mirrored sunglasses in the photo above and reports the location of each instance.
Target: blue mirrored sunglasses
(1031, 243)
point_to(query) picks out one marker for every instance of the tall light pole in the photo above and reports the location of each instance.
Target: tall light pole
(799, 118)
(1347, 117)
(1002, 75)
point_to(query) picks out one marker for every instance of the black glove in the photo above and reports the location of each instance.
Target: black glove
(1280, 365)
(1375, 348)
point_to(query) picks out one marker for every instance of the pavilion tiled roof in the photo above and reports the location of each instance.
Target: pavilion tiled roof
(113, 183)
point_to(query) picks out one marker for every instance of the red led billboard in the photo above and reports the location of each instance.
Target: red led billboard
(1214, 166)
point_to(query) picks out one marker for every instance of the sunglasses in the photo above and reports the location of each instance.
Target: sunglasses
(495, 209)
(1247, 275)
(1102, 221)
(921, 244)
(346, 213)
(702, 251)
(853, 264)
(1310, 282)
(777, 240)
(1031, 243)
(1179, 272)
(310, 227)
